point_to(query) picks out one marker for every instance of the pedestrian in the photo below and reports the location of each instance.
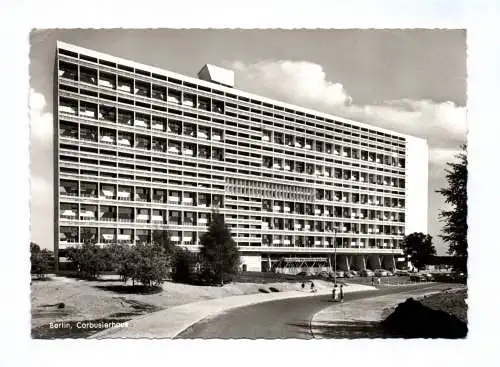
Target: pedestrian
(333, 292)
(303, 285)
(312, 287)
(373, 281)
(378, 280)
(341, 293)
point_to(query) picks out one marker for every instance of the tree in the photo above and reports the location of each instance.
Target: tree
(40, 261)
(219, 251)
(418, 248)
(150, 264)
(162, 238)
(455, 228)
(144, 263)
(184, 266)
(90, 260)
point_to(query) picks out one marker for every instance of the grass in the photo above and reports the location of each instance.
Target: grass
(452, 302)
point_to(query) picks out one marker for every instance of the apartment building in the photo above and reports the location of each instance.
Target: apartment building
(139, 149)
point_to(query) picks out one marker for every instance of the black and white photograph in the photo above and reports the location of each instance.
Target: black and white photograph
(248, 183)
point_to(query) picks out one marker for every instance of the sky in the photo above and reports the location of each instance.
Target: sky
(410, 81)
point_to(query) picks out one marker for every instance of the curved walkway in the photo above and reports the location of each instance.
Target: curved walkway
(171, 322)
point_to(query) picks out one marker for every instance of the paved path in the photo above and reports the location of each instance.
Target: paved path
(171, 322)
(278, 319)
(361, 318)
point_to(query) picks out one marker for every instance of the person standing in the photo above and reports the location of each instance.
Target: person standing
(341, 293)
(334, 290)
(373, 281)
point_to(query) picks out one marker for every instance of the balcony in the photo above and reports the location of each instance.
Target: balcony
(124, 237)
(124, 142)
(107, 237)
(157, 219)
(67, 109)
(124, 195)
(88, 113)
(187, 201)
(106, 83)
(172, 98)
(174, 199)
(277, 208)
(68, 214)
(188, 102)
(107, 194)
(142, 218)
(157, 126)
(138, 122)
(87, 215)
(127, 88)
(107, 139)
(202, 134)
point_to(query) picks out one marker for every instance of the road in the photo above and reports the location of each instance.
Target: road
(282, 319)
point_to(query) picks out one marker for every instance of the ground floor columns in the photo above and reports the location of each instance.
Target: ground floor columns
(360, 262)
(389, 262)
(374, 261)
(343, 263)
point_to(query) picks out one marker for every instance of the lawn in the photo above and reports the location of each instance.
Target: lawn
(107, 300)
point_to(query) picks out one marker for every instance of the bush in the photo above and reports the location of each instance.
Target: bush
(263, 290)
(90, 260)
(40, 261)
(184, 266)
(144, 263)
(272, 289)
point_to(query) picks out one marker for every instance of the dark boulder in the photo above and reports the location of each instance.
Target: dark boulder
(411, 319)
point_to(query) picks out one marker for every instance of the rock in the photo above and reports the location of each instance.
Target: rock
(411, 319)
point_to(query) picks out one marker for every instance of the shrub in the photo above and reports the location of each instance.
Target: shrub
(90, 260)
(184, 266)
(272, 289)
(263, 290)
(40, 261)
(144, 263)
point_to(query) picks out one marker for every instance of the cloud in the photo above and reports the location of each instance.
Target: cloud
(299, 81)
(306, 84)
(41, 122)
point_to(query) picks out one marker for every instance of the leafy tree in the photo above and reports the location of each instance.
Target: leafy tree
(455, 228)
(219, 251)
(144, 263)
(150, 264)
(184, 266)
(90, 260)
(419, 248)
(119, 256)
(40, 261)
(162, 238)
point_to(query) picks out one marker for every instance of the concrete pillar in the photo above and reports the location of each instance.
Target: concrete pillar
(343, 263)
(360, 262)
(389, 262)
(374, 262)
